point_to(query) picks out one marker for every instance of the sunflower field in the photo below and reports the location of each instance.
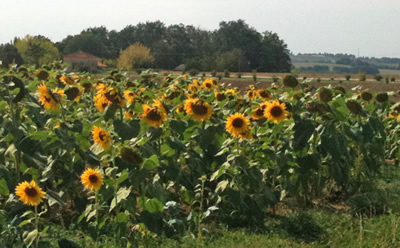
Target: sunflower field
(127, 160)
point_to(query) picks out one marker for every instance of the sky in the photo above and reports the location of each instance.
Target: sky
(361, 27)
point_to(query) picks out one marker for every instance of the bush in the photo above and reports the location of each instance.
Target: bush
(393, 79)
(239, 75)
(219, 76)
(226, 73)
(318, 80)
(214, 73)
(275, 79)
(347, 77)
(378, 77)
(302, 226)
(362, 76)
(193, 72)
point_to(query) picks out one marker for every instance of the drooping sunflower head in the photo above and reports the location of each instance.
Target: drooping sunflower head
(29, 193)
(198, 109)
(92, 179)
(153, 116)
(276, 112)
(46, 98)
(237, 124)
(382, 97)
(129, 96)
(101, 137)
(366, 96)
(67, 80)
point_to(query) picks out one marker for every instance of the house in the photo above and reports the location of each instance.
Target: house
(81, 61)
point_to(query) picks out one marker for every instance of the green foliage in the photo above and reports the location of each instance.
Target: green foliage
(9, 55)
(378, 77)
(37, 50)
(302, 226)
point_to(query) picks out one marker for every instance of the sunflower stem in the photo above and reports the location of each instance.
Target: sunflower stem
(37, 227)
(121, 113)
(97, 219)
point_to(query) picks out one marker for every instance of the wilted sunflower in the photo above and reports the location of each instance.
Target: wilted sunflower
(67, 80)
(92, 179)
(129, 96)
(276, 112)
(30, 193)
(101, 137)
(47, 98)
(198, 109)
(366, 96)
(153, 116)
(237, 124)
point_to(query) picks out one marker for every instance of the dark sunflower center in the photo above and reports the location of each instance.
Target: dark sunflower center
(153, 115)
(276, 111)
(260, 112)
(104, 105)
(199, 109)
(220, 97)
(93, 178)
(48, 99)
(31, 192)
(208, 85)
(264, 94)
(238, 123)
(101, 136)
(250, 94)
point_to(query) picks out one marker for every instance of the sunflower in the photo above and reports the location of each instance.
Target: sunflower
(67, 80)
(209, 84)
(153, 116)
(92, 179)
(264, 94)
(220, 96)
(129, 114)
(47, 98)
(193, 87)
(198, 109)
(258, 113)
(30, 193)
(101, 102)
(246, 135)
(101, 137)
(276, 111)
(113, 96)
(237, 124)
(129, 96)
(231, 91)
(252, 94)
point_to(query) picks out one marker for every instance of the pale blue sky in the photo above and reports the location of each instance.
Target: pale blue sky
(334, 26)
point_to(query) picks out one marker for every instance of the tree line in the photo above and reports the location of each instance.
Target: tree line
(234, 46)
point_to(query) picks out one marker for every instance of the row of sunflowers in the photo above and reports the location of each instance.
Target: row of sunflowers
(164, 155)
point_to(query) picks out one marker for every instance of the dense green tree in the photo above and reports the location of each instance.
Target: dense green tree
(37, 50)
(275, 55)
(9, 55)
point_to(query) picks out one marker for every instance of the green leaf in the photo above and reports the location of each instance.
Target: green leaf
(122, 218)
(122, 194)
(153, 206)
(3, 187)
(151, 163)
(110, 111)
(303, 129)
(31, 237)
(125, 131)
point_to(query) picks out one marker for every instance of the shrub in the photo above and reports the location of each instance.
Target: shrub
(226, 73)
(392, 79)
(347, 77)
(378, 77)
(219, 76)
(362, 76)
(213, 73)
(239, 75)
(193, 72)
(318, 80)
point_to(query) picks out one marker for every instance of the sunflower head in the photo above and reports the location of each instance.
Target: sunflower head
(276, 112)
(366, 96)
(354, 107)
(258, 113)
(29, 193)
(198, 109)
(325, 94)
(237, 124)
(252, 94)
(129, 96)
(67, 80)
(101, 137)
(42, 74)
(264, 94)
(46, 98)
(209, 83)
(382, 97)
(101, 102)
(92, 179)
(153, 116)
(290, 81)
(220, 96)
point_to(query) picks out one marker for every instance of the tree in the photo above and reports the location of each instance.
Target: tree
(9, 55)
(234, 60)
(37, 50)
(135, 56)
(275, 55)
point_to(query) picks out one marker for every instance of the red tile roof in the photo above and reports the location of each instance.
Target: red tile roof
(80, 55)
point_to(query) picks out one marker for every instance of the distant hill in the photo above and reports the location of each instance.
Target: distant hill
(344, 63)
